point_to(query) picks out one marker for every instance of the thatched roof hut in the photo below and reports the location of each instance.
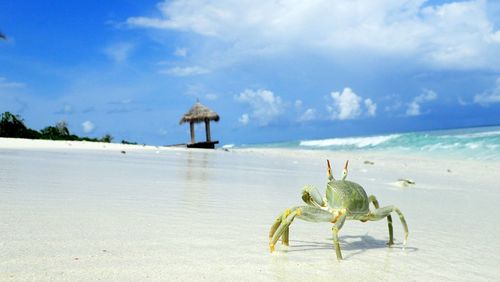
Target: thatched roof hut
(200, 113)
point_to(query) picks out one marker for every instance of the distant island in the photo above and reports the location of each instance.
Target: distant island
(13, 126)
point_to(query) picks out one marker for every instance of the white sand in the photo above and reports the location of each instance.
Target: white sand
(84, 212)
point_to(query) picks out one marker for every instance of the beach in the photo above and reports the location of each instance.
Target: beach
(83, 211)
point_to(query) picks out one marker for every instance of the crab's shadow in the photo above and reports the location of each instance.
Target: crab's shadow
(358, 244)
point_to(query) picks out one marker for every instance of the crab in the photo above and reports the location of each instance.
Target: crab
(344, 200)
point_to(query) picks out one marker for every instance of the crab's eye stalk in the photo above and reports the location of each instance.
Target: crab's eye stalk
(345, 170)
(329, 171)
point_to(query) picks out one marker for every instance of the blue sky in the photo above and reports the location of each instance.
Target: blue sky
(273, 70)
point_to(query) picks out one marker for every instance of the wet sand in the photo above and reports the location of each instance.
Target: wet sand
(71, 211)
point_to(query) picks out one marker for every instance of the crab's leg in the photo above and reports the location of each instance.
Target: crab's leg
(374, 201)
(280, 228)
(312, 197)
(285, 237)
(306, 213)
(335, 230)
(381, 213)
(277, 222)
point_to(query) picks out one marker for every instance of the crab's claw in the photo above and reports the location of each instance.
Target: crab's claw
(329, 171)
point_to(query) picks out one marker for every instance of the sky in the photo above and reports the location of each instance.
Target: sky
(273, 70)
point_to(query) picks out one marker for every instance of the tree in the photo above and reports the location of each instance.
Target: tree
(107, 138)
(13, 126)
(62, 127)
(59, 131)
(50, 132)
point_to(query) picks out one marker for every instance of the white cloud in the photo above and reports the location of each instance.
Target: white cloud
(414, 106)
(244, 119)
(371, 108)
(264, 105)
(462, 102)
(119, 52)
(304, 116)
(5, 83)
(308, 115)
(180, 52)
(413, 109)
(185, 71)
(298, 104)
(490, 96)
(452, 35)
(88, 126)
(347, 105)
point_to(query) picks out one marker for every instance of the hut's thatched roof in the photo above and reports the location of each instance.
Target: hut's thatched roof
(199, 113)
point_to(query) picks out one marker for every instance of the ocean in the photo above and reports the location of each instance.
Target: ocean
(478, 143)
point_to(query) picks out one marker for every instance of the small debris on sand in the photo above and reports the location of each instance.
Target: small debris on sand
(369, 162)
(448, 170)
(123, 152)
(405, 182)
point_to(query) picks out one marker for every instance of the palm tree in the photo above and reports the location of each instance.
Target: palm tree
(2, 36)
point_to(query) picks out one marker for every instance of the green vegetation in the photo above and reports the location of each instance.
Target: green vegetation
(13, 126)
(107, 138)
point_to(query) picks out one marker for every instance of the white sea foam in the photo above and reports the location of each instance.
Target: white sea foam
(359, 142)
(440, 146)
(492, 146)
(227, 146)
(473, 145)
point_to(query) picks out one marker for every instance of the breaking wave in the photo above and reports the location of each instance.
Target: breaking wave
(470, 143)
(359, 142)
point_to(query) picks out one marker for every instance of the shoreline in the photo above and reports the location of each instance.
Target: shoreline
(387, 158)
(21, 143)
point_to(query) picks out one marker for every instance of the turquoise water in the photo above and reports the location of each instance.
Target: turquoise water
(479, 143)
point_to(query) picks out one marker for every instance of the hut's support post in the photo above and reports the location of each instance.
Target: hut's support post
(207, 130)
(191, 126)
